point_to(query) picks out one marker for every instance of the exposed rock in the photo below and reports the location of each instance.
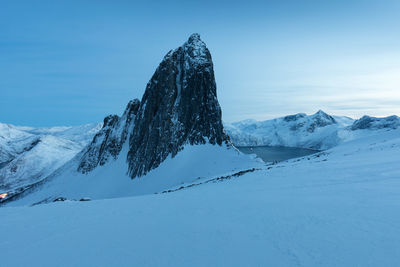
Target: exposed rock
(179, 107)
(107, 143)
(294, 117)
(367, 122)
(320, 119)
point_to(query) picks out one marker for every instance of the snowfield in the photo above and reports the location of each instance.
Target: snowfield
(336, 208)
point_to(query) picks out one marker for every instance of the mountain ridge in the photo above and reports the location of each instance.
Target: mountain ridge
(316, 131)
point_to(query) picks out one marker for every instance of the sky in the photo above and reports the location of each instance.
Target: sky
(74, 62)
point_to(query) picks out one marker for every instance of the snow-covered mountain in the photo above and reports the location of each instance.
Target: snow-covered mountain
(317, 131)
(172, 136)
(28, 154)
(372, 123)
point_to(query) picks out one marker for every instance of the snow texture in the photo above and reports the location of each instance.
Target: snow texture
(336, 208)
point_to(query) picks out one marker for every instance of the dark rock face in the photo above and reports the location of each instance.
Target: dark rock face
(109, 140)
(179, 107)
(294, 117)
(320, 119)
(367, 122)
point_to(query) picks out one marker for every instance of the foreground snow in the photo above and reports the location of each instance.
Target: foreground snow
(336, 208)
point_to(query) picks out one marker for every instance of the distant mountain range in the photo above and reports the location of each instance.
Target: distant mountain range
(318, 131)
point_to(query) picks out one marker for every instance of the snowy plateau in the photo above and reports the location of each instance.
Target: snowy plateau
(168, 186)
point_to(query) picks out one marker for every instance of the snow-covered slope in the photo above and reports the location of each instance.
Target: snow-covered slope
(112, 180)
(28, 154)
(12, 142)
(336, 208)
(317, 131)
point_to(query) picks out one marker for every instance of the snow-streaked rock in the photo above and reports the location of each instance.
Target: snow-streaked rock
(179, 107)
(108, 142)
(373, 123)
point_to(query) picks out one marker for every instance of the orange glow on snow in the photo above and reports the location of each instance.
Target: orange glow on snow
(3, 195)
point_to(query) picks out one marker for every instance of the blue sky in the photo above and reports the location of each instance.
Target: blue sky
(74, 62)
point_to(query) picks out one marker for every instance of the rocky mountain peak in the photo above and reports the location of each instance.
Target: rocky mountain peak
(195, 37)
(321, 113)
(179, 107)
(320, 119)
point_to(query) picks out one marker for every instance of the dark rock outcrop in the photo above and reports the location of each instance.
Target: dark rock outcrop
(320, 119)
(109, 140)
(367, 122)
(294, 117)
(179, 107)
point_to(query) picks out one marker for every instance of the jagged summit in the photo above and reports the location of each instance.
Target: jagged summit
(320, 119)
(320, 112)
(179, 107)
(195, 52)
(195, 37)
